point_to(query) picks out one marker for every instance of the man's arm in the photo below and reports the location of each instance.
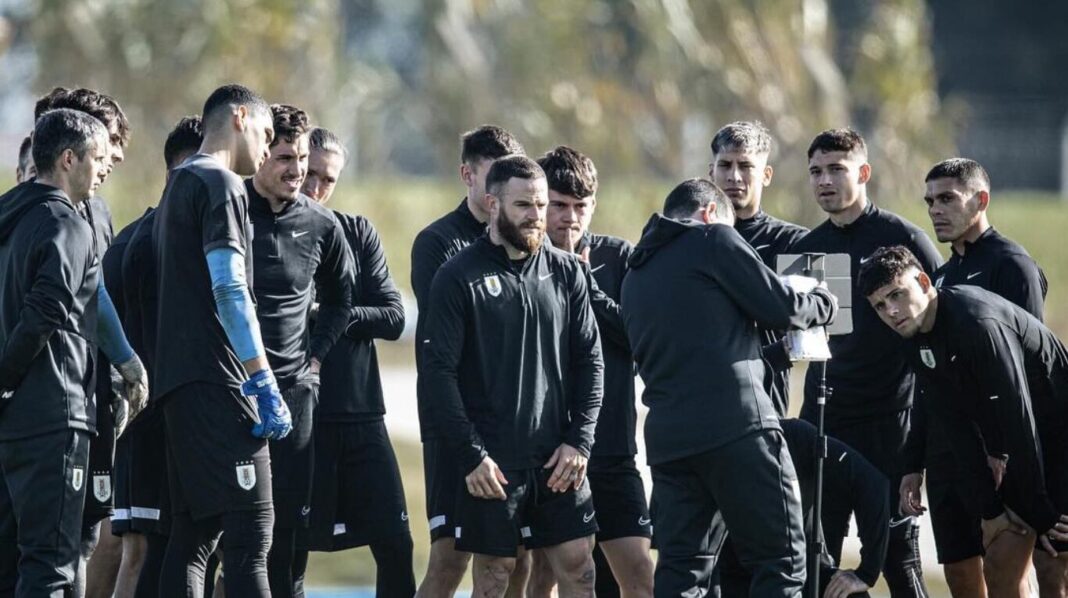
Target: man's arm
(757, 290)
(850, 475)
(1006, 415)
(608, 313)
(333, 278)
(442, 349)
(1020, 280)
(586, 367)
(428, 255)
(60, 262)
(379, 311)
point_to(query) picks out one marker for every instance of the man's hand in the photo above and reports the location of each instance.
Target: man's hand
(845, 583)
(275, 421)
(570, 468)
(1059, 532)
(486, 481)
(314, 366)
(584, 255)
(911, 502)
(133, 373)
(1007, 522)
(997, 469)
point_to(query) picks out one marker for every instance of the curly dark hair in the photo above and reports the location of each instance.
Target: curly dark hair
(884, 266)
(290, 123)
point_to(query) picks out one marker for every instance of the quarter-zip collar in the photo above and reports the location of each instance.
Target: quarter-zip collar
(869, 210)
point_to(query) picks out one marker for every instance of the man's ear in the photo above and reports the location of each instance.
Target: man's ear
(492, 203)
(708, 213)
(865, 173)
(66, 160)
(768, 173)
(240, 118)
(467, 175)
(984, 199)
(924, 280)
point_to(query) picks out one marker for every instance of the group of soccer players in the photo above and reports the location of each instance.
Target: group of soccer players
(233, 327)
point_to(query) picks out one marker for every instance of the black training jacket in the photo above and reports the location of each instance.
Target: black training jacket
(513, 364)
(990, 362)
(618, 419)
(692, 303)
(139, 292)
(1001, 266)
(49, 274)
(433, 246)
(771, 237)
(298, 254)
(351, 388)
(867, 375)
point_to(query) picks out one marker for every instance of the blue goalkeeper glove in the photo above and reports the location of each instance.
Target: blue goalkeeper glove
(275, 421)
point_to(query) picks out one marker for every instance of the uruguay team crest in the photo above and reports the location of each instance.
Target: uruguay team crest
(927, 356)
(493, 285)
(102, 487)
(246, 476)
(77, 477)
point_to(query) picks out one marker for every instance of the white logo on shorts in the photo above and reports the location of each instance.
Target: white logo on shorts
(404, 515)
(305, 510)
(102, 487)
(588, 517)
(246, 475)
(644, 521)
(77, 476)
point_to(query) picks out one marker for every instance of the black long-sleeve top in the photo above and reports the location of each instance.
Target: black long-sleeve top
(433, 246)
(1003, 267)
(513, 364)
(618, 420)
(867, 374)
(692, 302)
(49, 277)
(139, 292)
(351, 387)
(771, 237)
(990, 362)
(294, 252)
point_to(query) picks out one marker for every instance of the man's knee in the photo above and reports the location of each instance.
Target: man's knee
(631, 563)
(542, 578)
(964, 578)
(493, 570)
(573, 563)
(1052, 572)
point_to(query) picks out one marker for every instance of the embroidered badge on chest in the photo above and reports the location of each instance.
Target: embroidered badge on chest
(493, 285)
(246, 475)
(927, 356)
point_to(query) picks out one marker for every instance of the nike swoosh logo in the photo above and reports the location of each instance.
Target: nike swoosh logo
(865, 260)
(546, 277)
(588, 517)
(404, 516)
(974, 274)
(592, 270)
(643, 521)
(300, 234)
(759, 247)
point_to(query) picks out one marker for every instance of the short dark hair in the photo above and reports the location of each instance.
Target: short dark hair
(969, 172)
(290, 123)
(569, 172)
(24, 153)
(98, 105)
(746, 136)
(508, 168)
(62, 129)
(220, 101)
(884, 266)
(186, 137)
(838, 140)
(488, 142)
(324, 140)
(693, 194)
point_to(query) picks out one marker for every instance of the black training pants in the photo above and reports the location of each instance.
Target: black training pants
(248, 538)
(42, 497)
(747, 485)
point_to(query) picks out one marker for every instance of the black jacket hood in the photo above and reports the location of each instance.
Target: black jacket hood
(15, 203)
(658, 232)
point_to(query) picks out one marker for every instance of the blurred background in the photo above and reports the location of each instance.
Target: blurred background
(638, 85)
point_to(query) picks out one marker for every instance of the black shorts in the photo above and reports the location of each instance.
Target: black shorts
(444, 481)
(357, 495)
(532, 516)
(99, 499)
(293, 457)
(619, 497)
(214, 463)
(956, 524)
(142, 499)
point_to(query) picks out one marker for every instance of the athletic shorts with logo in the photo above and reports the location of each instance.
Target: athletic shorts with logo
(293, 457)
(142, 498)
(619, 497)
(444, 481)
(357, 494)
(532, 515)
(214, 463)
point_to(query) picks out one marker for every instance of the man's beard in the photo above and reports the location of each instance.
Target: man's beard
(514, 235)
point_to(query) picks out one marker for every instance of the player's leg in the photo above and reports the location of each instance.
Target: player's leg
(958, 537)
(9, 553)
(148, 578)
(393, 559)
(631, 565)
(248, 540)
(489, 575)
(686, 540)
(134, 546)
(517, 581)
(102, 570)
(625, 527)
(542, 579)
(188, 548)
(572, 564)
(446, 566)
(491, 531)
(1006, 564)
